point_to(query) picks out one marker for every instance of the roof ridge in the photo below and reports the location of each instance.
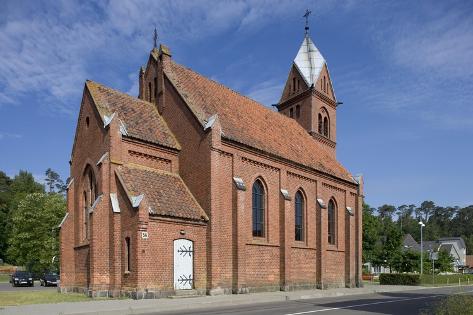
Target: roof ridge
(118, 91)
(147, 168)
(266, 108)
(224, 86)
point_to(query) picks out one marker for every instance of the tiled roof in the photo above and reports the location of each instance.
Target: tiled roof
(409, 243)
(141, 119)
(248, 122)
(165, 193)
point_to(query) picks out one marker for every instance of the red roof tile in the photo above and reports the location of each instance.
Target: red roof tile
(141, 119)
(248, 122)
(165, 193)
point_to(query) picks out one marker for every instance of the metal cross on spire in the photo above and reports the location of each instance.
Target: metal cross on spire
(155, 38)
(306, 16)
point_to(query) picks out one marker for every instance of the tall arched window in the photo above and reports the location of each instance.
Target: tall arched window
(85, 216)
(331, 222)
(90, 195)
(299, 217)
(326, 126)
(320, 123)
(155, 88)
(149, 91)
(298, 111)
(258, 209)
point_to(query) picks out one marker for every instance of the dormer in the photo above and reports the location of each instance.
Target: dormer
(308, 95)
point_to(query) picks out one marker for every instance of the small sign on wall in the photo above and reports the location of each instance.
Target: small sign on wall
(144, 235)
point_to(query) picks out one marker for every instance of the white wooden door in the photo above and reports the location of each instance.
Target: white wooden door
(183, 264)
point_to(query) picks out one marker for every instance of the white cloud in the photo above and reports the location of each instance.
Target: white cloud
(50, 47)
(266, 93)
(6, 135)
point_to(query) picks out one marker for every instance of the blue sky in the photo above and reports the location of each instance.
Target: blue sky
(404, 70)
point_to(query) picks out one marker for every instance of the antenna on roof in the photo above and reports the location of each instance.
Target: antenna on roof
(306, 16)
(155, 37)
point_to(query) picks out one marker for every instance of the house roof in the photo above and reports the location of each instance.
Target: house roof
(250, 123)
(165, 193)
(410, 243)
(459, 240)
(140, 118)
(309, 61)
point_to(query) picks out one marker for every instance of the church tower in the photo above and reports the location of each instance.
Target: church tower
(308, 95)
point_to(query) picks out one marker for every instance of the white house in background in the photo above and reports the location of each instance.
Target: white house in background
(455, 246)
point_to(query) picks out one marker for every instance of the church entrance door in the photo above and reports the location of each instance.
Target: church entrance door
(183, 264)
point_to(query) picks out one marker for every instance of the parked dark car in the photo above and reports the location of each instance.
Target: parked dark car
(49, 278)
(19, 278)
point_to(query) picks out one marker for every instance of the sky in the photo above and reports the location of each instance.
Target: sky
(403, 70)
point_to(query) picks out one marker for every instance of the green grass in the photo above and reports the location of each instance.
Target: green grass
(4, 278)
(453, 304)
(12, 298)
(427, 280)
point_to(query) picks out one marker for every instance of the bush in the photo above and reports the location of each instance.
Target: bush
(399, 279)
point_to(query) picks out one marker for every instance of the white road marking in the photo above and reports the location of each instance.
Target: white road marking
(373, 303)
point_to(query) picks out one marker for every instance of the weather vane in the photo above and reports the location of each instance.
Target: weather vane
(306, 15)
(155, 38)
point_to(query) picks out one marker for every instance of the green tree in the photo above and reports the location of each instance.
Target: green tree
(5, 195)
(54, 182)
(370, 233)
(444, 263)
(33, 240)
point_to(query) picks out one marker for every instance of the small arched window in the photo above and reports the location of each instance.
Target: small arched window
(149, 91)
(320, 124)
(299, 217)
(291, 112)
(325, 85)
(326, 127)
(155, 88)
(331, 222)
(298, 111)
(258, 209)
(293, 84)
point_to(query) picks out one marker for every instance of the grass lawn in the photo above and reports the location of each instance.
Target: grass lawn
(427, 280)
(11, 298)
(4, 278)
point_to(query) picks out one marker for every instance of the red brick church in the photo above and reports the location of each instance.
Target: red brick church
(193, 186)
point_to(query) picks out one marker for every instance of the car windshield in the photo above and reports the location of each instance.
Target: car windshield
(21, 274)
(51, 274)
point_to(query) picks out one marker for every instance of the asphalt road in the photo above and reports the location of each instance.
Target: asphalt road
(8, 287)
(410, 302)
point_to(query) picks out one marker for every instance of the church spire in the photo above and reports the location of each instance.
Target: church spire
(155, 38)
(306, 16)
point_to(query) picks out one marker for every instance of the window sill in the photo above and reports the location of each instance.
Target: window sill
(334, 248)
(127, 273)
(303, 246)
(256, 243)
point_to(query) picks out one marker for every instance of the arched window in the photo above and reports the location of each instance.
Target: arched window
(291, 112)
(293, 84)
(299, 216)
(298, 111)
(326, 127)
(149, 91)
(155, 88)
(325, 85)
(90, 195)
(331, 222)
(320, 123)
(85, 216)
(258, 209)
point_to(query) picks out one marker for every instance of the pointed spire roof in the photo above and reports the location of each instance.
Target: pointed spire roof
(309, 61)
